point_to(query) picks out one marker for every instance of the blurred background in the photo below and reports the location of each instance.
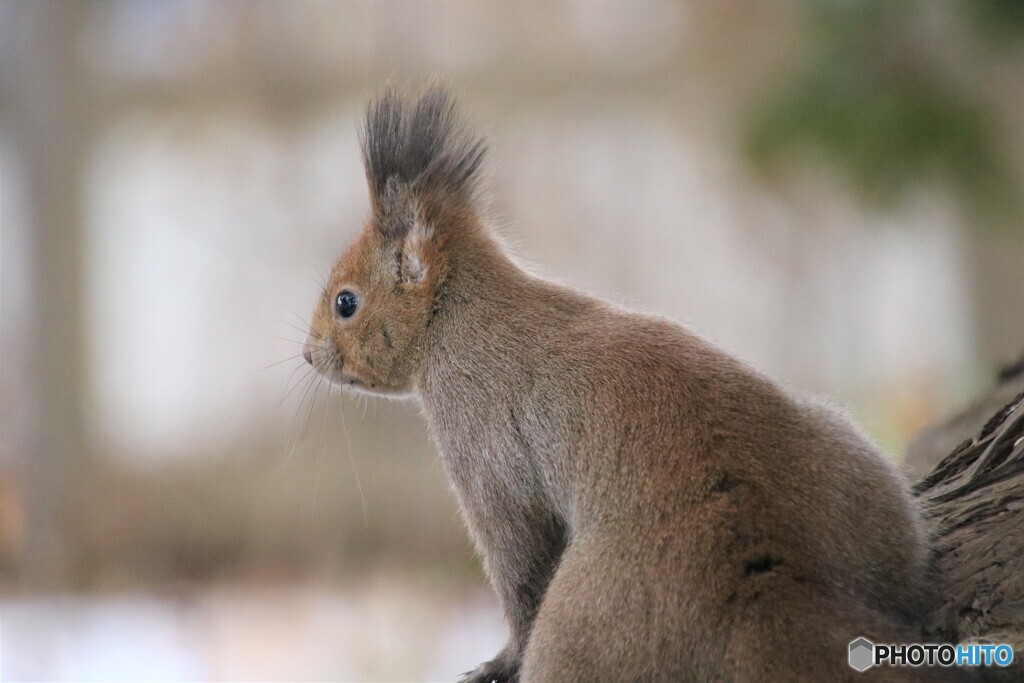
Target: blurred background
(830, 190)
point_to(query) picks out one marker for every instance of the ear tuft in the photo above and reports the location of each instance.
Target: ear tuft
(414, 146)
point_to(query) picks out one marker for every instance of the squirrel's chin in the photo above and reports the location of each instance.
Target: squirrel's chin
(349, 382)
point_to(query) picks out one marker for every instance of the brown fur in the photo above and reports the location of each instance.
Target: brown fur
(648, 508)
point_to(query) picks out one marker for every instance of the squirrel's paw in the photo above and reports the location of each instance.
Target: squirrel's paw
(498, 670)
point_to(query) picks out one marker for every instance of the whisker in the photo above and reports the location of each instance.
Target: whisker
(310, 385)
(323, 278)
(312, 402)
(267, 367)
(293, 429)
(307, 331)
(321, 455)
(298, 317)
(288, 392)
(352, 461)
(299, 433)
(286, 339)
(288, 383)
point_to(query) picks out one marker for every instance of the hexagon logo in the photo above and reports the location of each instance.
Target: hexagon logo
(862, 654)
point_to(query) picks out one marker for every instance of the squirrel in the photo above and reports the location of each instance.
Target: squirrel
(647, 507)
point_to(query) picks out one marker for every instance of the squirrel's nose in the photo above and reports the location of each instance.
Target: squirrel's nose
(307, 353)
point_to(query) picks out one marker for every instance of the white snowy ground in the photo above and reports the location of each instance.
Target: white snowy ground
(384, 631)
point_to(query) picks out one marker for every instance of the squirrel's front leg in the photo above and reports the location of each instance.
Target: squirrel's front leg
(521, 549)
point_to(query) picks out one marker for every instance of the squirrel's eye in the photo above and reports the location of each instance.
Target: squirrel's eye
(346, 303)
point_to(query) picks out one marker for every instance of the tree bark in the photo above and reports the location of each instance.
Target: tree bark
(974, 502)
(936, 442)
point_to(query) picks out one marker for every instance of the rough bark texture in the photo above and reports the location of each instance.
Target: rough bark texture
(936, 442)
(974, 500)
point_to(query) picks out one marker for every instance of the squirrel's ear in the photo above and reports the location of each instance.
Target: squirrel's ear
(417, 149)
(414, 258)
(395, 210)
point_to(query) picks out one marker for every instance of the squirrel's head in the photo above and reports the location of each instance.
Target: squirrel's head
(369, 327)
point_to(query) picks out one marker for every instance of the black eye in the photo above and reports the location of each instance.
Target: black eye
(346, 303)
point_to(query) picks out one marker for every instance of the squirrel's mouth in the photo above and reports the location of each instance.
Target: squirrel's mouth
(338, 377)
(349, 381)
(332, 367)
(346, 380)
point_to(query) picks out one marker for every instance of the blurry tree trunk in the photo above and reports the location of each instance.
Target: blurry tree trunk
(45, 111)
(974, 501)
(993, 262)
